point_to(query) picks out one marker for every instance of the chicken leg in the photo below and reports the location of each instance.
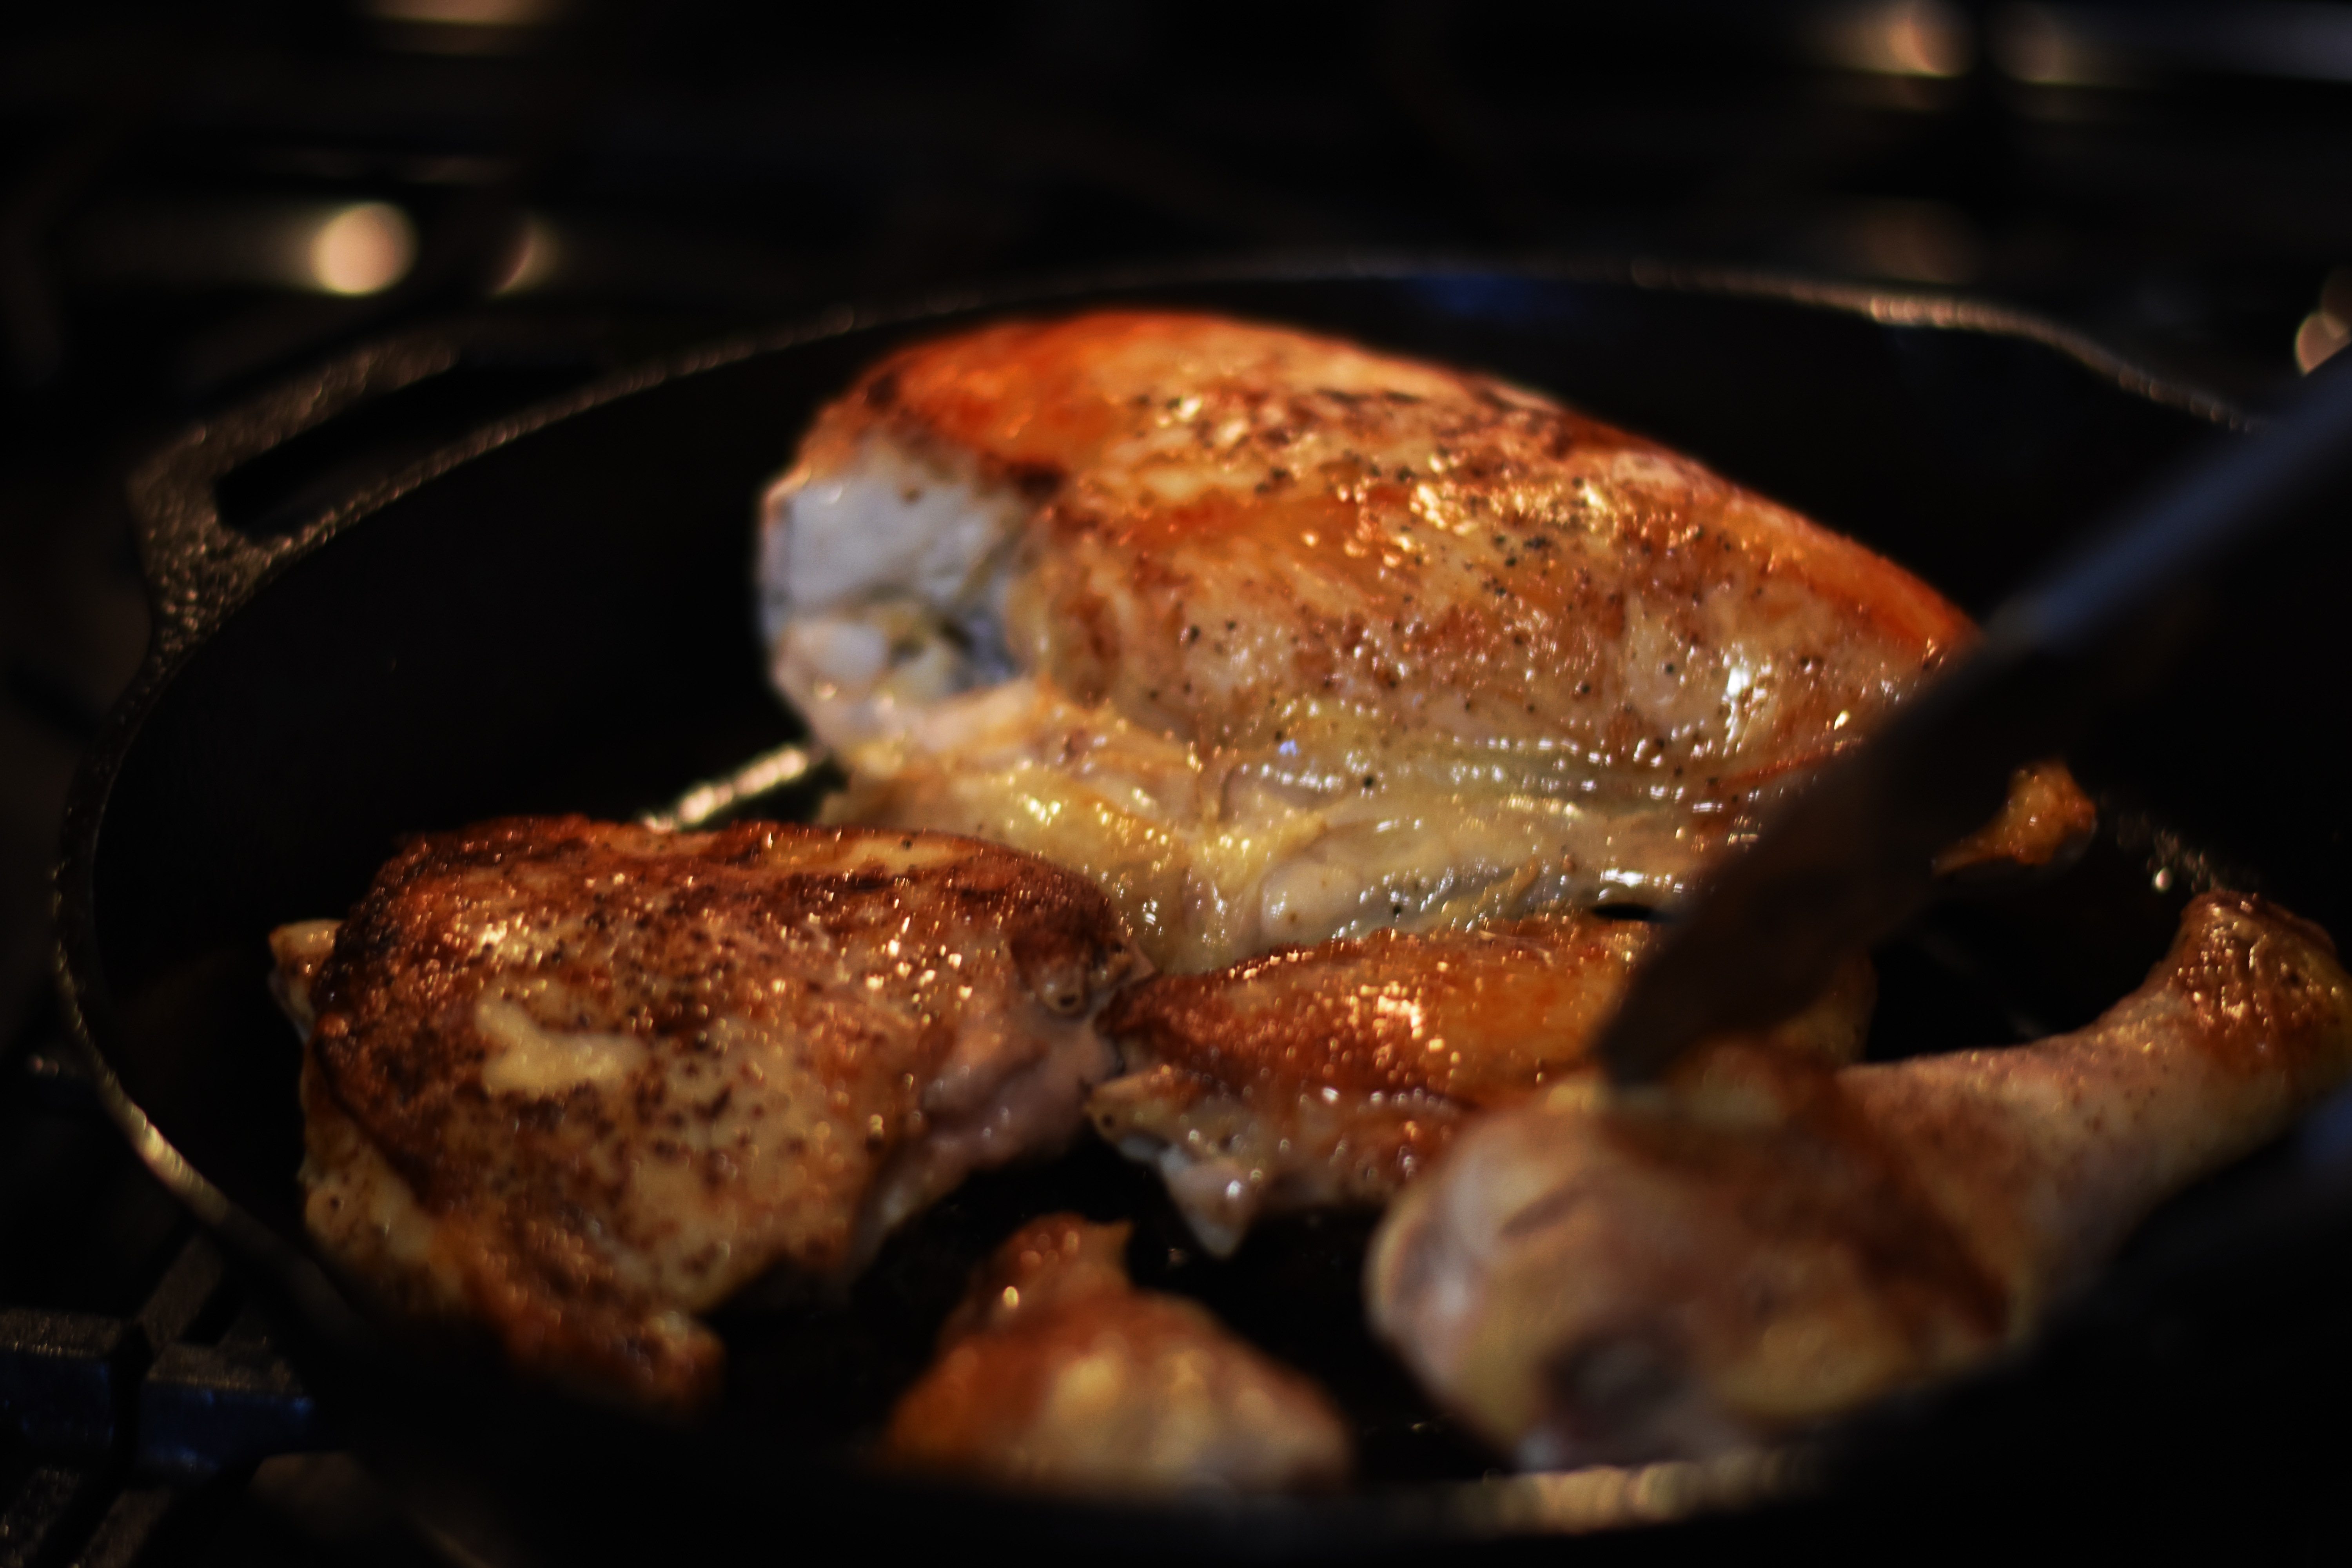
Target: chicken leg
(1761, 1244)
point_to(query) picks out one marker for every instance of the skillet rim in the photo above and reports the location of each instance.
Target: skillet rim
(199, 575)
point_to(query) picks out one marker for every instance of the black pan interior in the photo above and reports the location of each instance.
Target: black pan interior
(564, 623)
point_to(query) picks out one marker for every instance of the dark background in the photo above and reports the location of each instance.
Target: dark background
(184, 188)
(2177, 179)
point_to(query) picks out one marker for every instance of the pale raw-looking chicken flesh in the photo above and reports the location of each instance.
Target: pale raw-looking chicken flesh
(1279, 639)
(1761, 1245)
(1335, 1074)
(577, 1082)
(1057, 1374)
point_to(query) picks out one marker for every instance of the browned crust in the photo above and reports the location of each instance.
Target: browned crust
(1509, 1005)
(2282, 1006)
(1033, 402)
(1484, 589)
(2046, 815)
(1343, 1070)
(556, 1306)
(1055, 1295)
(397, 1050)
(861, 952)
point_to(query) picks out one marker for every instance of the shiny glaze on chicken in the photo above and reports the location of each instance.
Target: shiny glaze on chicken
(1279, 639)
(1057, 1374)
(1761, 1245)
(579, 1082)
(1334, 1074)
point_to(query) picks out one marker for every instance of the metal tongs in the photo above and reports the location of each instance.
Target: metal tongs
(1845, 863)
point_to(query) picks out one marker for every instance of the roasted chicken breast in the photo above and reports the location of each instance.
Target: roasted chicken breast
(1763, 1244)
(1278, 639)
(1057, 1374)
(1334, 1074)
(577, 1082)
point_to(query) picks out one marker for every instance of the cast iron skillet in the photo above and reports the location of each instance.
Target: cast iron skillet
(553, 613)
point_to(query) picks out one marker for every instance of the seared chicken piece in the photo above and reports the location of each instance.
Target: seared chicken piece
(578, 1082)
(1278, 639)
(1335, 1074)
(1056, 1374)
(1762, 1245)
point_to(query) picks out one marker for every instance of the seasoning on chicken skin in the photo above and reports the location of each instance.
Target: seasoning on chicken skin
(1057, 1374)
(1762, 1245)
(577, 1082)
(1334, 1074)
(1279, 639)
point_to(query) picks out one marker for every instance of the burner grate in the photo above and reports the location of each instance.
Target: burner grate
(146, 1419)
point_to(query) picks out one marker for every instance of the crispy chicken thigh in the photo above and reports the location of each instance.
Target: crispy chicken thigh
(1333, 1074)
(1056, 1374)
(1761, 1244)
(1278, 639)
(579, 1082)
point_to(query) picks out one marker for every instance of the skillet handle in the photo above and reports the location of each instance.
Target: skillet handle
(197, 567)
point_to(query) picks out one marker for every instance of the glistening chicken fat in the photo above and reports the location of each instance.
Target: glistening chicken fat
(576, 1081)
(1333, 1075)
(1278, 639)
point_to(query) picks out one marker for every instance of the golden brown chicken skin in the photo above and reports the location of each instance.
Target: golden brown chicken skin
(1335, 1074)
(1280, 639)
(1763, 1245)
(1057, 1374)
(577, 1082)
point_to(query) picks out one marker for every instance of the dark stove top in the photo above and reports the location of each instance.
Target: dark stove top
(148, 1419)
(197, 198)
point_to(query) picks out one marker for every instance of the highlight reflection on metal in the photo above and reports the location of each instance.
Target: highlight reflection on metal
(2127, 46)
(364, 248)
(2044, 45)
(706, 803)
(350, 247)
(464, 26)
(1609, 1496)
(469, 13)
(1918, 242)
(536, 254)
(2326, 330)
(1906, 38)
